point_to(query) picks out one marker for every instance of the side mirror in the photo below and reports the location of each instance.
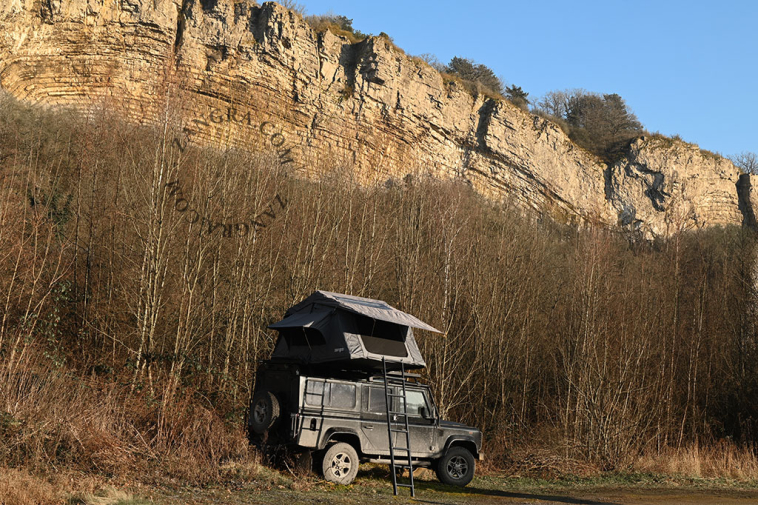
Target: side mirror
(424, 412)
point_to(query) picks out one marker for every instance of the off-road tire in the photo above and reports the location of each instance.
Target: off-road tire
(456, 467)
(264, 412)
(340, 464)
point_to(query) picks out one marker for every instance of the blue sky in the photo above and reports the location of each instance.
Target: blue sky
(687, 68)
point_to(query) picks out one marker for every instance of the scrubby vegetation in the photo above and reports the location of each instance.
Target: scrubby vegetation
(480, 78)
(339, 25)
(602, 124)
(517, 96)
(130, 333)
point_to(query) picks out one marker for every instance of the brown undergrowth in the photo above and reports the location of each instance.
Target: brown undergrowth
(723, 459)
(18, 487)
(52, 418)
(139, 274)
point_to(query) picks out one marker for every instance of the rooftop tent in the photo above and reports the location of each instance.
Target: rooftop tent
(330, 327)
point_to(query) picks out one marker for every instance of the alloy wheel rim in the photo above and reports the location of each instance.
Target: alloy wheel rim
(341, 464)
(457, 467)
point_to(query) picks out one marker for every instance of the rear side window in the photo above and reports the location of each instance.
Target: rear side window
(377, 401)
(342, 396)
(328, 394)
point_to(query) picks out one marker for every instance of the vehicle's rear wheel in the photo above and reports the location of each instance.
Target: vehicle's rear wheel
(340, 464)
(456, 467)
(264, 412)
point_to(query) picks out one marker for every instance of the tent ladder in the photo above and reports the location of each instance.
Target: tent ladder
(397, 423)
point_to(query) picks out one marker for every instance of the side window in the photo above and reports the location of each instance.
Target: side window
(314, 393)
(327, 394)
(416, 402)
(377, 401)
(342, 396)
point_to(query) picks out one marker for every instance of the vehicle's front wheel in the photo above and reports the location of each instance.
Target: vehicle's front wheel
(456, 467)
(340, 464)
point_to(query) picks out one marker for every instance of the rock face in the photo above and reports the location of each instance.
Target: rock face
(664, 186)
(259, 77)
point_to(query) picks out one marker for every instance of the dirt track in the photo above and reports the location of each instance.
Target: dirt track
(475, 497)
(480, 492)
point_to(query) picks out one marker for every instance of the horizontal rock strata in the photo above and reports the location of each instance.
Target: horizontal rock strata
(259, 77)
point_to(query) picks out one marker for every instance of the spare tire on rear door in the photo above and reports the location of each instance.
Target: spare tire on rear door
(264, 412)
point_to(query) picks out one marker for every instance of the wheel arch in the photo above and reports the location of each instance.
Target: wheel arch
(341, 435)
(466, 443)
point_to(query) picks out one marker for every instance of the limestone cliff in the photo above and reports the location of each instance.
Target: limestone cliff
(260, 77)
(664, 186)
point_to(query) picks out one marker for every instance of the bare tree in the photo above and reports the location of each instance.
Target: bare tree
(746, 161)
(556, 103)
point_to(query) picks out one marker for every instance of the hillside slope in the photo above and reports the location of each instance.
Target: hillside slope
(259, 77)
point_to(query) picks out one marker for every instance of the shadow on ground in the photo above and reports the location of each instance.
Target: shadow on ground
(496, 493)
(382, 474)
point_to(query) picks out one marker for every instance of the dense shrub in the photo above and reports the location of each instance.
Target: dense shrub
(481, 76)
(602, 124)
(517, 96)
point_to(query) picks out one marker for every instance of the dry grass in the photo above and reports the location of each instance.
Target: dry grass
(539, 463)
(108, 496)
(474, 88)
(322, 24)
(51, 418)
(390, 43)
(667, 141)
(63, 436)
(18, 487)
(723, 460)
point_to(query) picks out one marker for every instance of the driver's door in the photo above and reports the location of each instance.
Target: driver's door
(422, 429)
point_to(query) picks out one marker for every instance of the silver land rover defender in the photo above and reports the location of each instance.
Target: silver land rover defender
(336, 388)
